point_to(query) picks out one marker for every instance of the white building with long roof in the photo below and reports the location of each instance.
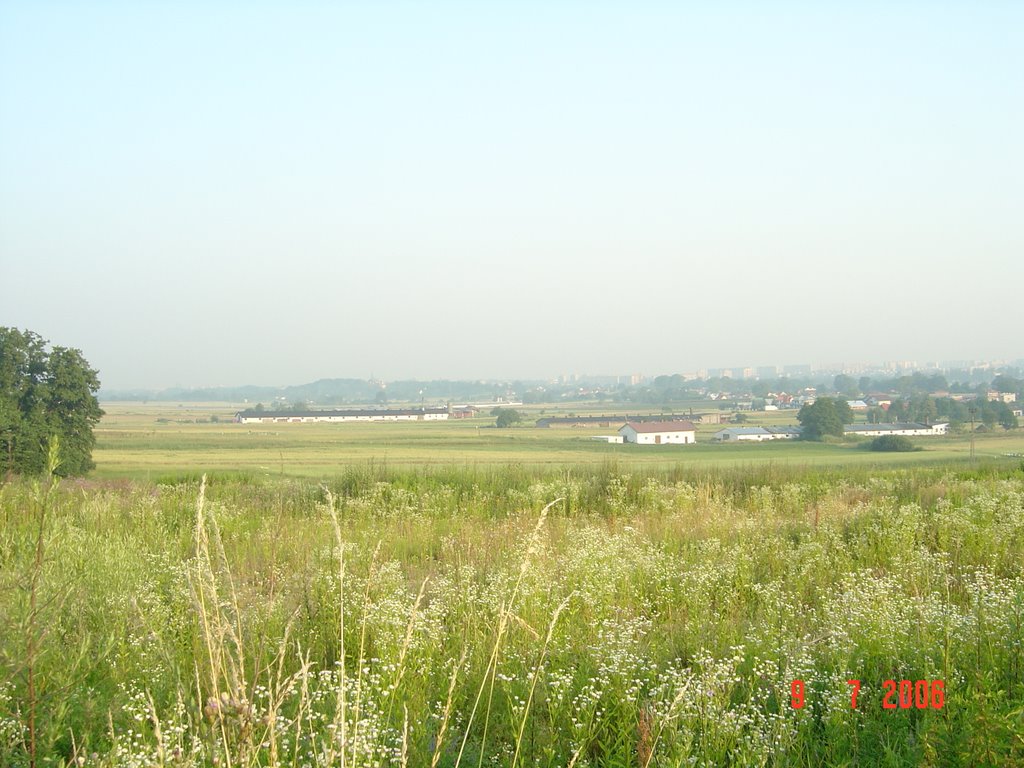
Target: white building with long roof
(659, 432)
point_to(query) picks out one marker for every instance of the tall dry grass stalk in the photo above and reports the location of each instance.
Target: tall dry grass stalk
(669, 717)
(447, 711)
(35, 631)
(404, 650)
(341, 715)
(340, 722)
(533, 543)
(223, 684)
(536, 675)
(362, 647)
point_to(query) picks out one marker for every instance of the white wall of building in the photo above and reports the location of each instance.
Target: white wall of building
(329, 419)
(937, 429)
(725, 436)
(657, 438)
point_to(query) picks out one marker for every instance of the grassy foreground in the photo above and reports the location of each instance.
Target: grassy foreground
(458, 617)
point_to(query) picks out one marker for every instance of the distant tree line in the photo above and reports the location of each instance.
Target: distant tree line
(920, 383)
(958, 413)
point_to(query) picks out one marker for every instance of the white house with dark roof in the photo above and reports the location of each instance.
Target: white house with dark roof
(659, 432)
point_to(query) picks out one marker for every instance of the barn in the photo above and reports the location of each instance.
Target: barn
(659, 432)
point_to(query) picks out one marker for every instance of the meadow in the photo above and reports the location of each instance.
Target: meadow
(530, 607)
(160, 441)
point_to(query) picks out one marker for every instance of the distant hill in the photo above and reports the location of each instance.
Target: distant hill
(330, 392)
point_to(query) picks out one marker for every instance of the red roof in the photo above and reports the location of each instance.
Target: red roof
(662, 426)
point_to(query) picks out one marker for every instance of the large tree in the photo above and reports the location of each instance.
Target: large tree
(825, 416)
(45, 392)
(506, 417)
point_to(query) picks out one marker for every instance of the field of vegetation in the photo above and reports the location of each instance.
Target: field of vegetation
(161, 441)
(610, 614)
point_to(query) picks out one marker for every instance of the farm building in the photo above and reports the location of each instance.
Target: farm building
(756, 434)
(659, 432)
(909, 429)
(581, 421)
(1000, 397)
(710, 418)
(599, 421)
(370, 414)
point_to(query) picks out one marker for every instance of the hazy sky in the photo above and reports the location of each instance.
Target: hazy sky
(223, 193)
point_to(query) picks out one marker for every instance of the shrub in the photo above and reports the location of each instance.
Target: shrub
(892, 443)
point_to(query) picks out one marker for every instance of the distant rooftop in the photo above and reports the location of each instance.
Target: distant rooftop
(791, 430)
(662, 426)
(548, 421)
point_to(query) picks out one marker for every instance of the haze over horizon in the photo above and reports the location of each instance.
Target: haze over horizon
(198, 194)
(877, 371)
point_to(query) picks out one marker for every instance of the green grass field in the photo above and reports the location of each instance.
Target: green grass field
(146, 441)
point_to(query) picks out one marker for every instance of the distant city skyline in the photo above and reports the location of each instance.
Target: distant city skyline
(739, 373)
(217, 193)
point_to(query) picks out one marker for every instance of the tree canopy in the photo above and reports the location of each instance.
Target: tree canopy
(1006, 383)
(45, 392)
(958, 413)
(826, 416)
(506, 417)
(846, 385)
